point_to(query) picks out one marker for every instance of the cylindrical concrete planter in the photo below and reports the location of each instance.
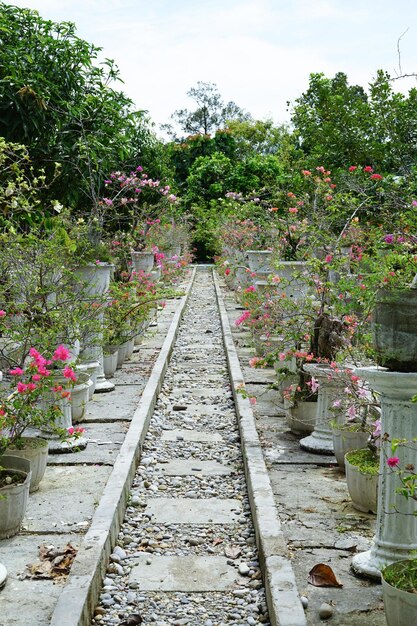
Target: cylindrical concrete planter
(14, 496)
(259, 260)
(345, 440)
(301, 418)
(394, 329)
(125, 351)
(80, 397)
(110, 363)
(142, 261)
(92, 370)
(400, 606)
(35, 450)
(362, 487)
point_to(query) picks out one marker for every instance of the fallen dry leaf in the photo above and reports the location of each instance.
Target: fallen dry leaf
(232, 552)
(217, 541)
(322, 575)
(53, 562)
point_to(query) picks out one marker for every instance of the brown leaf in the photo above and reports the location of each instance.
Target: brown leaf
(217, 541)
(322, 575)
(232, 552)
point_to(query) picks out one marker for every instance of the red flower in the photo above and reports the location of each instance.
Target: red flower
(353, 168)
(368, 169)
(376, 177)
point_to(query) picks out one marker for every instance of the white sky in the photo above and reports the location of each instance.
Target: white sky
(259, 52)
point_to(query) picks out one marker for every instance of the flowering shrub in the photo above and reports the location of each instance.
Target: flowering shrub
(20, 402)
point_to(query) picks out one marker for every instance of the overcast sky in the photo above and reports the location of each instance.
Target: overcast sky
(258, 52)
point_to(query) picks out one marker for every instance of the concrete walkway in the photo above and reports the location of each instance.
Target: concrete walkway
(222, 519)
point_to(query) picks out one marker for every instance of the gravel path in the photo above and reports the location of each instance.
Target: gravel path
(188, 504)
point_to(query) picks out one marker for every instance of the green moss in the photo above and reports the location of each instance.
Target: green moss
(365, 460)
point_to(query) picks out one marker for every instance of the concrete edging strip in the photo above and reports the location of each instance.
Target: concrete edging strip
(284, 605)
(79, 597)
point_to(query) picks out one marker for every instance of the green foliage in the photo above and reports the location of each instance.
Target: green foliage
(65, 109)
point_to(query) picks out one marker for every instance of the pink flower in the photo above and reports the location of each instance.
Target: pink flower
(337, 404)
(377, 428)
(61, 354)
(368, 169)
(227, 272)
(314, 384)
(306, 172)
(376, 177)
(328, 258)
(21, 387)
(36, 378)
(69, 373)
(71, 430)
(31, 387)
(242, 318)
(293, 209)
(389, 238)
(250, 289)
(252, 400)
(393, 461)
(17, 371)
(2, 313)
(352, 168)
(57, 388)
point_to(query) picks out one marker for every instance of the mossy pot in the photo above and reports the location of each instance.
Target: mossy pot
(399, 581)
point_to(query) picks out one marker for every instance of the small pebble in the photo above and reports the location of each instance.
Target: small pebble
(325, 611)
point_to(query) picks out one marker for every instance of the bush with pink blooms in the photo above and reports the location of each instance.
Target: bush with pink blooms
(27, 386)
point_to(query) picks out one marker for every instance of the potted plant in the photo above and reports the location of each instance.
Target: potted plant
(15, 475)
(31, 400)
(362, 476)
(399, 588)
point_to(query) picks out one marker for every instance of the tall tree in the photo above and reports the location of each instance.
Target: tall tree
(211, 114)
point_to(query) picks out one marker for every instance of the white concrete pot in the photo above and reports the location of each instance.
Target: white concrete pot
(400, 606)
(13, 504)
(363, 488)
(345, 441)
(110, 364)
(142, 261)
(301, 418)
(35, 450)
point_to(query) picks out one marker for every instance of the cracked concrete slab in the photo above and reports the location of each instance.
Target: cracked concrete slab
(184, 467)
(68, 505)
(182, 573)
(190, 511)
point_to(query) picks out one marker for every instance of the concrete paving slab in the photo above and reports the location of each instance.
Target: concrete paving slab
(352, 603)
(120, 404)
(189, 511)
(23, 598)
(68, 506)
(259, 375)
(199, 392)
(186, 573)
(266, 408)
(104, 441)
(191, 435)
(184, 467)
(287, 451)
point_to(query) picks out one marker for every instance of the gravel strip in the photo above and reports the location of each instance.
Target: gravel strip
(195, 396)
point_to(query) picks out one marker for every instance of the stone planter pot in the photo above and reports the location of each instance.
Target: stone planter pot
(346, 440)
(13, 504)
(173, 251)
(110, 363)
(400, 606)
(394, 326)
(92, 370)
(362, 487)
(142, 261)
(80, 397)
(301, 418)
(35, 450)
(259, 260)
(125, 352)
(295, 283)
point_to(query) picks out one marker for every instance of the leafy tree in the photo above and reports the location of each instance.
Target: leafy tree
(211, 113)
(65, 109)
(333, 122)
